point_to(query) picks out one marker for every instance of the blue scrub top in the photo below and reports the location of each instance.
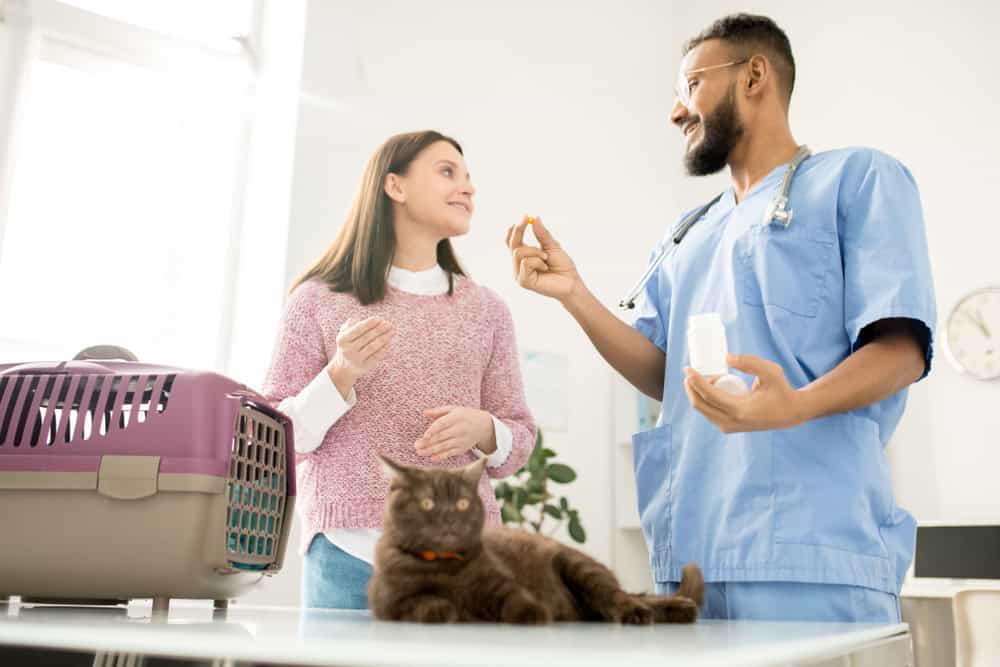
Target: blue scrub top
(812, 503)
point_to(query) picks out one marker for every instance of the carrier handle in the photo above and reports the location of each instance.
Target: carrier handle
(82, 362)
(61, 368)
(105, 352)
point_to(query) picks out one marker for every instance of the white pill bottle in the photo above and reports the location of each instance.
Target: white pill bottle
(707, 350)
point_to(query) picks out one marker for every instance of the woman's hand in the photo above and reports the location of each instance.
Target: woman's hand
(548, 269)
(361, 346)
(455, 430)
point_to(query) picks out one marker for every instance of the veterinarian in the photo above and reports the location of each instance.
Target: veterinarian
(782, 495)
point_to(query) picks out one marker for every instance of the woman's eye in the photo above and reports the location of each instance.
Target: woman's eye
(447, 171)
(462, 504)
(426, 504)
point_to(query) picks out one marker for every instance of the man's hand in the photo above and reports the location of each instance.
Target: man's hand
(771, 404)
(455, 430)
(547, 270)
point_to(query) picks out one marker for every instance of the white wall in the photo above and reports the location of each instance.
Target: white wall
(563, 112)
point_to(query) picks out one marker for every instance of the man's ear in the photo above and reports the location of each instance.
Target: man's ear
(472, 472)
(393, 188)
(758, 72)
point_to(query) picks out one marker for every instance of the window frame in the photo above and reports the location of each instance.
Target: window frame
(52, 31)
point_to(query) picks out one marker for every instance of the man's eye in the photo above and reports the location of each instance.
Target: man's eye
(692, 84)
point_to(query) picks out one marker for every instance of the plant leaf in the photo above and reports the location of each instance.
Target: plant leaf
(535, 486)
(576, 530)
(560, 473)
(510, 514)
(553, 511)
(534, 465)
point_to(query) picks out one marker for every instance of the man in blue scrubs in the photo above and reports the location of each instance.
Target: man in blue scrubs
(783, 495)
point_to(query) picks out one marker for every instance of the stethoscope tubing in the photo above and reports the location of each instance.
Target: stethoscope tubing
(777, 209)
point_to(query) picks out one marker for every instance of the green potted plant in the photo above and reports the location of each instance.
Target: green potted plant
(526, 501)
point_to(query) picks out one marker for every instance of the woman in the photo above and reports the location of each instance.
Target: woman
(386, 347)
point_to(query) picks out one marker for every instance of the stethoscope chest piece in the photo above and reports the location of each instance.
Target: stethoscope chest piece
(777, 210)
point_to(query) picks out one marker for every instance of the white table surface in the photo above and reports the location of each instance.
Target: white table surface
(314, 637)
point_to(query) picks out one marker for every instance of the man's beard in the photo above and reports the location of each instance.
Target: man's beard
(720, 131)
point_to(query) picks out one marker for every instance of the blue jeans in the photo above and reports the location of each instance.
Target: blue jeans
(333, 578)
(793, 601)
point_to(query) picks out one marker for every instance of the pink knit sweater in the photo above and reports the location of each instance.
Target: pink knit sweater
(447, 350)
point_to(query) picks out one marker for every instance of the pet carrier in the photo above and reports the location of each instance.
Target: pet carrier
(122, 480)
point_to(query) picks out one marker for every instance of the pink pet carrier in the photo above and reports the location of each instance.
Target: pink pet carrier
(123, 480)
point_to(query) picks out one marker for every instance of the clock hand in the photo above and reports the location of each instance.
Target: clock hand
(982, 324)
(978, 323)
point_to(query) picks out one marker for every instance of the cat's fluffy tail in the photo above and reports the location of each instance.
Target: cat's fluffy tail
(692, 584)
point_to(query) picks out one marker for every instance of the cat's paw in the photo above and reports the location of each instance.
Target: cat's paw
(434, 611)
(673, 609)
(634, 612)
(684, 610)
(525, 611)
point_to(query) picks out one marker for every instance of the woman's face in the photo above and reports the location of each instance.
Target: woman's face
(436, 192)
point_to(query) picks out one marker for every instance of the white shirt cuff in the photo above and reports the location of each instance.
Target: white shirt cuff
(314, 410)
(505, 443)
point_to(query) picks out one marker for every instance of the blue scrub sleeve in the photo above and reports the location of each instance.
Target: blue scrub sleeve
(887, 271)
(653, 308)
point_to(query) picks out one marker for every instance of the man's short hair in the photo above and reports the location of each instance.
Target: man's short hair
(750, 34)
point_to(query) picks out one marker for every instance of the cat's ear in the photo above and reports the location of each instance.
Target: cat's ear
(392, 469)
(472, 472)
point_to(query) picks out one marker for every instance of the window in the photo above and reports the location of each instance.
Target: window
(125, 181)
(211, 22)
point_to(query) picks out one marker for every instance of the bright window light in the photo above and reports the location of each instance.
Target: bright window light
(198, 20)
(120, 217)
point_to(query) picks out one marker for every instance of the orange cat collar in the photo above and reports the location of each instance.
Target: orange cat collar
(439, 555)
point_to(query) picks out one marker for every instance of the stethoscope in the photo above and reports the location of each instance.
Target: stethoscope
(777, 209)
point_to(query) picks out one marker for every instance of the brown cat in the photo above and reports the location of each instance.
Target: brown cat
(436, 563)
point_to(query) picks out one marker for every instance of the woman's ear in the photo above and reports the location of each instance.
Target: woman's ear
(393, 187)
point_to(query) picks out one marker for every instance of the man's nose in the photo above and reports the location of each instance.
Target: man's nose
(678, 113)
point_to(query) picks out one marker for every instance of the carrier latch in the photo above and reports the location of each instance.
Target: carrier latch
(128, 477)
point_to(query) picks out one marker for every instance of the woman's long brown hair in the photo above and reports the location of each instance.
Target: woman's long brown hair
(360, 256)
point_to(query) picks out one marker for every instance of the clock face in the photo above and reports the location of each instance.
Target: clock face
(973, 335)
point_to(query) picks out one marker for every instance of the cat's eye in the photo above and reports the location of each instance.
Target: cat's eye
(426, 504)
(462, 504)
